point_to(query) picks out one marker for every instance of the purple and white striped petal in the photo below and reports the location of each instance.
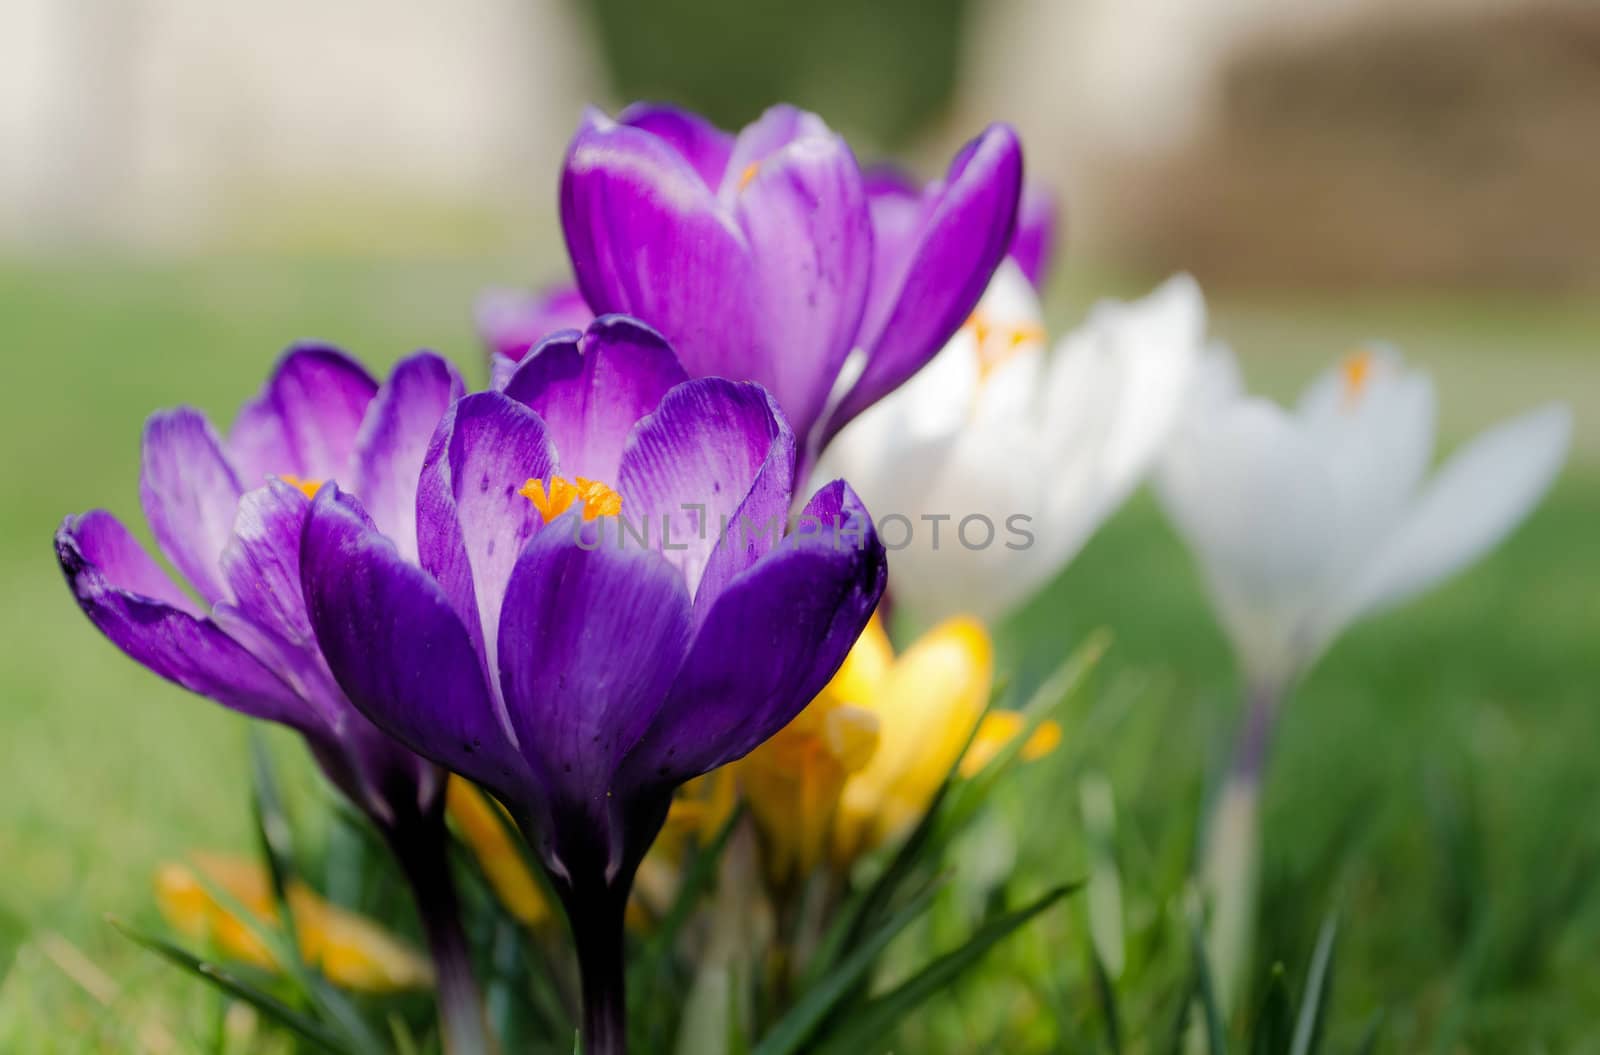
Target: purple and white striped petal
(804, 214)
(471, 519)
(394, 439)
(689, 467)
(648, 238)
(591, 389)
(190, 495)
(305, 420)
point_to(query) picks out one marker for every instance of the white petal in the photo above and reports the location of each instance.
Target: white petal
(1254, 500)
(1480, 495)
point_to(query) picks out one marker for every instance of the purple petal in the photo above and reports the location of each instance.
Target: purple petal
(510, 321)
(304, 421)
(805, 216)
(393, 440)
(261, 566)
(190, 494)
(771, 641)
(397, 648)
(649, 239)
(591, 389)
(1033, 246)
(127, 596)
(471, 519)
(698, 141)
(774, 130)
(590, 640)
(707, 448)
(921, 298)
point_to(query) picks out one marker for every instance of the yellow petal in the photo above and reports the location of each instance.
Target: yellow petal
(851, 736)
(998, 729)
(485, 827)
(348, 949)
(926, 708)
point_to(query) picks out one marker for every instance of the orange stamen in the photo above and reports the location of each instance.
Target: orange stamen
(749, 174)
(309, 488)
(558, 496)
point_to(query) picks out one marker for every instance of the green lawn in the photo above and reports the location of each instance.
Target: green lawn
(1436, 777)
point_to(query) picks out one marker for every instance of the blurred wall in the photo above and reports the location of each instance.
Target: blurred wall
(179, 121)
(1435, 142)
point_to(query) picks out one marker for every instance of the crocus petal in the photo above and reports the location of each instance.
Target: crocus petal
(770, 133)
(804, 214)
(918, 301)
(647, 237)
(1033, 246)
(690, 467)
(590, 639)
(1254, 499)
(127, 596)
(927, 709)
(189, 493)
(590, 389)
(1480, 495)
(772, 639)
(701, 143)
(394, 440)
(1375, 421)
(398, 649)
(510, 321)
(471, 518)
(305, 420)
(766, 284)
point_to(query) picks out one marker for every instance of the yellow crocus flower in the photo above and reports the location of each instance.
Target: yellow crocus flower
(350, 950)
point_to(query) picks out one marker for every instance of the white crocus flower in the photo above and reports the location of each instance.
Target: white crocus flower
(990, 469)
(1303, 521)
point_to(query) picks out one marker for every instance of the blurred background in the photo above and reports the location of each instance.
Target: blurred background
(187, 187)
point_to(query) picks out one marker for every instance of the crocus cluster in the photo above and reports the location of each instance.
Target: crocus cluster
(624, 564)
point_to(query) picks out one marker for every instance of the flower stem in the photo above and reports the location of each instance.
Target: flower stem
(597, 913)
(423, 854)
(1232, 854)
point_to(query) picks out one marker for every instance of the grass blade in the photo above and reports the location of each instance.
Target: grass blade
(1313, 1006)
(302, 1026)
(1206, 994)
(792, 1031)
(881, 1014)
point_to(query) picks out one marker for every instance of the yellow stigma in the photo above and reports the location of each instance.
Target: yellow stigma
(749, 174)
(1357, 371)
(999, 343)
(309, 488)
(556, 498)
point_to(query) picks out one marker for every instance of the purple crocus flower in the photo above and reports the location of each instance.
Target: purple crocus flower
(229, 514)
(570, 634)
(765, 257)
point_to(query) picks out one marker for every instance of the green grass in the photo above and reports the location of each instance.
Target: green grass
(1435, 777)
